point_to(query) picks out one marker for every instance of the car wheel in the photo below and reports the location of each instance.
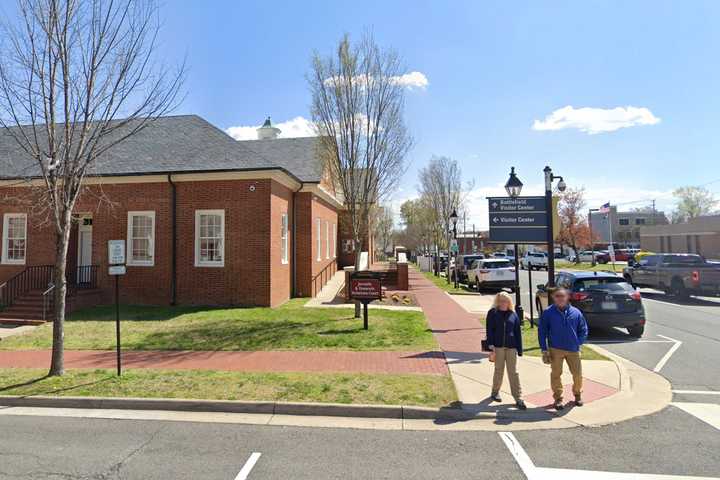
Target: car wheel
(636, 331)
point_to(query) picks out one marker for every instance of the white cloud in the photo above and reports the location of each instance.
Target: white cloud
(596, 120)
(295, 127)
(409, 80)
(412, 80)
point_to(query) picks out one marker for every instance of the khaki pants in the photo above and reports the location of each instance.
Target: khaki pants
(556, 369)
(506, 357)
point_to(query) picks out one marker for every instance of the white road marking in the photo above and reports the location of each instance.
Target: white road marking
(630, 342)
(247, 468)
(707, 412)
(669, 353)
(697, 392)
(532, 472)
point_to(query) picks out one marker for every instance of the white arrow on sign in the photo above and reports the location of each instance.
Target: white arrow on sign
(494, 204)
(496, 219)
(539, 473)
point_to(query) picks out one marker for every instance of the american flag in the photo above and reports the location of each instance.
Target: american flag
(605, 208)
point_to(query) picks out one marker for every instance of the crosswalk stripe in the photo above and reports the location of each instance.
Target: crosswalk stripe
(707, 412)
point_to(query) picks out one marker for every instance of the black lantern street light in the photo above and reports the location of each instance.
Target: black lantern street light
(549, 178)
(454, 220)
(513, 187)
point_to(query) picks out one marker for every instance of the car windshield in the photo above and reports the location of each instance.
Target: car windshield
(683, 259)
(603, 284)
(498, 264)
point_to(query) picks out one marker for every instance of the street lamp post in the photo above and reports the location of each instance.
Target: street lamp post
(454, 220)
(549, 178)
(513, 187)
(592, 242)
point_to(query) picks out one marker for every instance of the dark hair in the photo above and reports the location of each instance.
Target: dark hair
(559, 289)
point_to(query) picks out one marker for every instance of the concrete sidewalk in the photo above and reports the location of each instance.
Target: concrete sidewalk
(613, 390)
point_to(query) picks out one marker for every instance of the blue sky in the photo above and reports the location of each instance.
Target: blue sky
(493, 69)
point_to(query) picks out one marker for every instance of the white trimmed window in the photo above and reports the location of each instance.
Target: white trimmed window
(318, 240)
(209, 238)
(334, 243)
(141, 238)
(14, 238)
(327, 240)
(284, 238)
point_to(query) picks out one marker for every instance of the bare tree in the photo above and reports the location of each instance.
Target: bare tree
(77, 77)
(357, 106)
(384, 224)
(442, 190)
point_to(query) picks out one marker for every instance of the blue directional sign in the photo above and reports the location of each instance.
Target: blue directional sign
(517, 220)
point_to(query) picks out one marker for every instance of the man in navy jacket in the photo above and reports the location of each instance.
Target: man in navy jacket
(562, 331)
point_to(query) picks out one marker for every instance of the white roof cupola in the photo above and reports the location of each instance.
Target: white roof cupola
(267, 131)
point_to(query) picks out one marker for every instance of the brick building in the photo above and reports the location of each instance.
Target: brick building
(206, 219)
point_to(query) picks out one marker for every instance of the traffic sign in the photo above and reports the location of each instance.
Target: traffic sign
(454, 246)
(518, 220)
(116, 252)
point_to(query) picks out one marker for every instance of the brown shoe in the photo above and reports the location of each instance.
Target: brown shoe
(579, 402)
(558, 405)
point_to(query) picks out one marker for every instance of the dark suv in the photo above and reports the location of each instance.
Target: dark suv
(605, 299)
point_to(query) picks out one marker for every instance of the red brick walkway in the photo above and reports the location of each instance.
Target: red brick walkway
(429, 363)
(456, 330)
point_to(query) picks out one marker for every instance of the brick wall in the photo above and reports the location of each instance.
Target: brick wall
(253, 273)
(309, 209)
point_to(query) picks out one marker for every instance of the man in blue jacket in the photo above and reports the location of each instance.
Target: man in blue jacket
(562, 331)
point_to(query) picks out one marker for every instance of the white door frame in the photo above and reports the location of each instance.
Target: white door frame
(83, 276)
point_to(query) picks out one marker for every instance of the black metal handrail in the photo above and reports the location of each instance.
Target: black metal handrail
(323, 276)
(85, 276)
(48, 300)
(33, 277)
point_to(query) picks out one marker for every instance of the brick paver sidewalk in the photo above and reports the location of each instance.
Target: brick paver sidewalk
(429, 363)
(456, 330)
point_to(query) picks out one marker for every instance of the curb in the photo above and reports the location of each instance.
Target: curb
(236, 406)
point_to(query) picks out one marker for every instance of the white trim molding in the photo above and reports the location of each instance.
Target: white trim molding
(5, 239)
(151, 239)
(210, 263)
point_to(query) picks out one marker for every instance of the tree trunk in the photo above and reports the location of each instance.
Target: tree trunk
(358, 251)
(62, 240)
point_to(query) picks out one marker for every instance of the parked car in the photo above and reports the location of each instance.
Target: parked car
(464, 262)
(623, 254)
(499, 255)
(492, 273)
(586, 256)
(605, 299)
(679, 274)
(534, 261)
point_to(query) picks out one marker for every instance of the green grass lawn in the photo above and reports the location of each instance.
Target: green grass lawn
(442, 283)
(531, 346)
(289, 327)
(587, 266)
(422, 390)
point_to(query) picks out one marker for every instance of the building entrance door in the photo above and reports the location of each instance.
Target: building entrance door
(84, 255)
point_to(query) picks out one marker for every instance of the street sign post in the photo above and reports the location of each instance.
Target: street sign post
(116, 262)
(365, 286)
(521, 220)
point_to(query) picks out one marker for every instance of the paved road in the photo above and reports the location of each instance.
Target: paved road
(73, 448)
(693, 366)
(676, 441)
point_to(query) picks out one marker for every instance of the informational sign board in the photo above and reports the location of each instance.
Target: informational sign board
(117, 270)
(517, 220)
(116, 252)
(454, 246)
(365, 288)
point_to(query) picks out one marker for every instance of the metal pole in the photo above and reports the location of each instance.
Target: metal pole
(117, 323)
(365, 315)
(455, 272)
(530, 296)
(517, 279)
(550, 237)
(592, 242)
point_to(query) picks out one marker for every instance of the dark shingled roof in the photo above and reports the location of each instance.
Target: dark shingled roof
(185, 143)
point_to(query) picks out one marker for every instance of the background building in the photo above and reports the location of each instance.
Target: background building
(625, 225)
(700, 235)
